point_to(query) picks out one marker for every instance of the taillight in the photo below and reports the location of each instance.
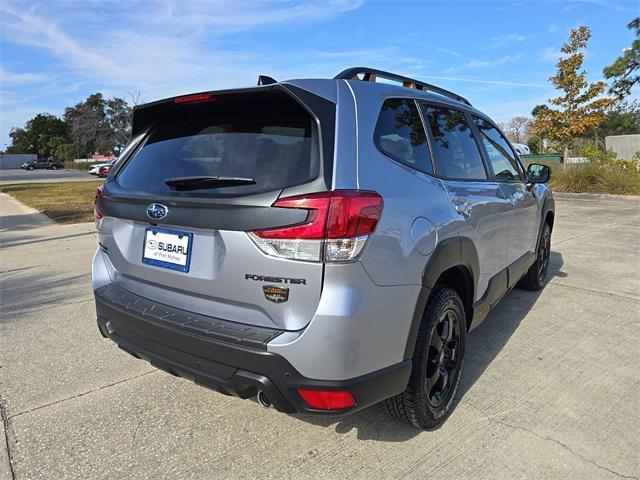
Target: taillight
(336, 229)
(327, 399)
(97, 213)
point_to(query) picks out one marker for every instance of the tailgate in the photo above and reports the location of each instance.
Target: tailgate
(189, 247)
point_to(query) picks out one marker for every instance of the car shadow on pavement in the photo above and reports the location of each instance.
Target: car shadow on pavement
(483, 346)
(26, 221)
(26, 289)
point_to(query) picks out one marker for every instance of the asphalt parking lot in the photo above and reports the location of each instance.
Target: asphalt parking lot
(38, 176)
(551, 386)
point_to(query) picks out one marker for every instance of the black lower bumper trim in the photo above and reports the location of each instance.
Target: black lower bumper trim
(234, 368)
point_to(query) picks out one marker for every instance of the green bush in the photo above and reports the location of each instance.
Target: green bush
(614, 177)
(80, 166)
(594, 154)
(603, 174)
(620, 181)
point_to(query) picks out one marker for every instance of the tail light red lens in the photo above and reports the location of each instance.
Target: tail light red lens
(96, 211)
(327, 399)
(333, 214)
(337, 226)
(314, 226)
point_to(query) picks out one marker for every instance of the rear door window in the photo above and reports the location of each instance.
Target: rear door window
(400, 135)
(501, 157)
(274, 148)
(455, 150)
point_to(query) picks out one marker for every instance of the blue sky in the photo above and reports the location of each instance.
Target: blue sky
(497, 54)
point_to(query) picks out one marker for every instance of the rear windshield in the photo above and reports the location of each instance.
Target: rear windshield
(275, 148)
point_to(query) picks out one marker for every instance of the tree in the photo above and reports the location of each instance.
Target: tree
(41, 135)
(67, 152)
(93, 126)
(625, 71)
(135, 98)
(539, 110)
(534, 142)
(534, 134)
(88, 125)
(580, 106)
(118, 114)
(98, 125)
(515, 129)
(622, 119)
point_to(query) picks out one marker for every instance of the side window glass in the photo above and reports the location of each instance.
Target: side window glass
(454, 148)
(502, 159)
(399, 134)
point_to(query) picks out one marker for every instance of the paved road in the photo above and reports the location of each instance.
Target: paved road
(551, 386)
(38, 176)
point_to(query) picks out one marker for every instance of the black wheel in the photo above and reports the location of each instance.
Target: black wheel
(53, 167)
(30, 168)
(437, 363)
(536, 276)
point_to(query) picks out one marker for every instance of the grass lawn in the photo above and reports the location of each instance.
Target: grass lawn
(67, 202)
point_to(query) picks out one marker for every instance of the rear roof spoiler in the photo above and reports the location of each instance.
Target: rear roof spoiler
(144, 115)
(186, 106)
(370, 75)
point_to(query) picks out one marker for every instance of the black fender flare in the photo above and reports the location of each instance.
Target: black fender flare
(549, 205)
(450, 253)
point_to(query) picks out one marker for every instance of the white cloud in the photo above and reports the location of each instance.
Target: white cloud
(505, 83)
(613, 5)
(165, 48)
(441, 49)
(483, 64)
(510, 6)
(506, 40)
(159, 48)
(505, 110)
(550, 54)
(13, 78)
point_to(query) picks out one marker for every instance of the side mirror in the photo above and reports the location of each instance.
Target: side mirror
(538, 173)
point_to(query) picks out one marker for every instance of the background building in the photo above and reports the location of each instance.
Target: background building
(15, 160)
(624, 145)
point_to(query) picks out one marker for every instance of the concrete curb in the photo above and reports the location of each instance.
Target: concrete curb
(10, 203)
(6, 472)
(595, 196)
(13, 213)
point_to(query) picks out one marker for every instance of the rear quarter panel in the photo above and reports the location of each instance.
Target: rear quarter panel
(416, 214)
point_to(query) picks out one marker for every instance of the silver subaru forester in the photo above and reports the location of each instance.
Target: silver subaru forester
(322, 244)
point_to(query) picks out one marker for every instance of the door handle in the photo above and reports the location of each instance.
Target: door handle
(516, 197)
(463, 207)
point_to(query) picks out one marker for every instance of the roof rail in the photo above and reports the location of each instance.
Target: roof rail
(370, 74)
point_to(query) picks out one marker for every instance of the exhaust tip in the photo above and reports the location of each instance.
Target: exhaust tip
(263, 399)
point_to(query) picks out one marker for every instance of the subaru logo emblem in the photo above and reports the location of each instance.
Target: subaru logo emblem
(157, 211)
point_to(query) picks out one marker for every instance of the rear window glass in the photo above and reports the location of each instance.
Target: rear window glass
(275, 149)
(399, 134)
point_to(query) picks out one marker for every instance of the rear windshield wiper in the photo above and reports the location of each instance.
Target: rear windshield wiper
(196, 183)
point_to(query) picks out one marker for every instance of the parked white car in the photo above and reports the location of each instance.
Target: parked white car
(522, 149)
(95, 169)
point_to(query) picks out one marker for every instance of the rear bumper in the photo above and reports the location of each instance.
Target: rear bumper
(226, 356)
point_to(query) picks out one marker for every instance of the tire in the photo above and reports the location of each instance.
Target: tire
(420, 405)
(53, 167)
(30, 168)
(536, 276)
